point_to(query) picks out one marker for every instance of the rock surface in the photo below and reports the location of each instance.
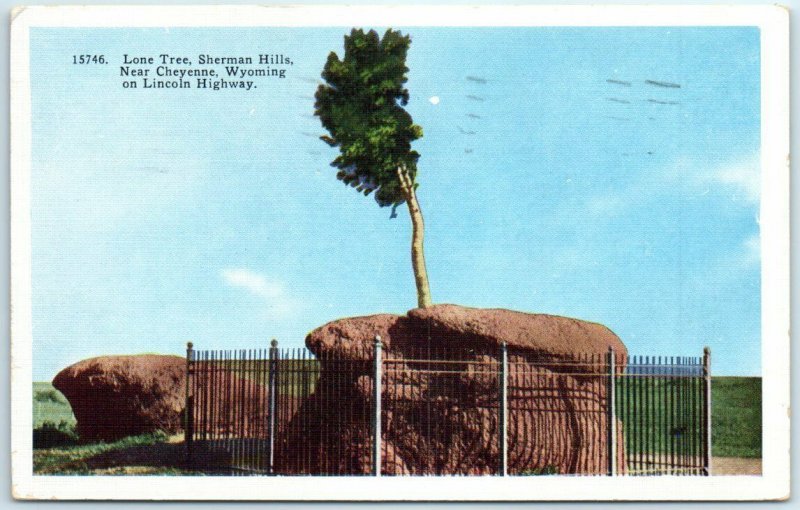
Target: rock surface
(117, 396)
(441, 416)
(548, 336)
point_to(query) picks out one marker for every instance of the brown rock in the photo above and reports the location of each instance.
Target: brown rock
(352, 338)
(547, 335)
(441, 415)
(118, 396)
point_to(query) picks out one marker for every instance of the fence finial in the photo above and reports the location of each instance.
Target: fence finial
(377, 339)
(274, 343)
(189, 345)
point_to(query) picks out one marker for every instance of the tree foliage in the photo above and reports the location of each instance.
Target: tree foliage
(361, 106)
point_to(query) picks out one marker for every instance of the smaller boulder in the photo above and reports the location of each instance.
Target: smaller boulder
(118, 396)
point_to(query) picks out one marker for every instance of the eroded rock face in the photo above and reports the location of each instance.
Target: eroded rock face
(441, 416)
(548, 336)
(117, 396)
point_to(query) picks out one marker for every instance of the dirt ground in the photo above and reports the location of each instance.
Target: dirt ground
(735, 466)
(169, 457)
(140, 460)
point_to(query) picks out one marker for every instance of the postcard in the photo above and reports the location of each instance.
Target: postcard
(400, 253)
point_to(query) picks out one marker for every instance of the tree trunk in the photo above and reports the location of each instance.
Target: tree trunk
(417, 239)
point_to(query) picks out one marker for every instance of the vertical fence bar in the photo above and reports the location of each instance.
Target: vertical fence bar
(685, 422)
(239, 369)
(707, 410)
(671, 426)
(208, 388)
(639, 414)
(626, 413)
(662, 420)
(291, 391)
(188, 409)
(693, 411)
(652, 430)
(503, 410)
(376, 416)
(218, 393)
(258, 411)
(698, 413)
(271, 402)
(644, 381)
(245, 435)
(612, 414)
(679, 416)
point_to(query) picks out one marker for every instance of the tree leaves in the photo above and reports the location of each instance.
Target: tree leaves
(361, 106)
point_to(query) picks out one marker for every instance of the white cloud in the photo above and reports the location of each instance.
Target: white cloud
(253, 282)
(743, 177)
(739, 178)
(751, 251)
(272, 293)
(605, 206)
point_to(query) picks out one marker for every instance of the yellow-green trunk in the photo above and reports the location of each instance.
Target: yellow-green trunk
(418, 251)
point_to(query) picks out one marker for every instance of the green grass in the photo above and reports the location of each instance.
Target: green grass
(736, 416)
(57, 451)
(134, 455)
(49, 405)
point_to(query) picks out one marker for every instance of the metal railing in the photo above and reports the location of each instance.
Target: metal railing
(665, 406)
(446, 411)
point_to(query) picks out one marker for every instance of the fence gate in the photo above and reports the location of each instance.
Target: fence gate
(664, 407)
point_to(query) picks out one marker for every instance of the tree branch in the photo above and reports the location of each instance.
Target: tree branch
(405, 182)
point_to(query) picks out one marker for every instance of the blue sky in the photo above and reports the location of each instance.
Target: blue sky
(173, 215)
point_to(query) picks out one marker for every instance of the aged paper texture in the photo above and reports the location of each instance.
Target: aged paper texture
(400, 253)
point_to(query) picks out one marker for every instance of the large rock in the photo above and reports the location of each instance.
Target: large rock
(118, 396)
(548, 336)
(441, 416)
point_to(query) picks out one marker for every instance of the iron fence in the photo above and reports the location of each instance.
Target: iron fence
(436, 411)
(664, 404)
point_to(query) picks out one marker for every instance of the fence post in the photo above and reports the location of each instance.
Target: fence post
(376, 417)
(188, 410)
(272, 403)
(612, 413)
(707, 410)
(503, 409)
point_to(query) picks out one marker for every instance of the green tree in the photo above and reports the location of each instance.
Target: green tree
(361, 106)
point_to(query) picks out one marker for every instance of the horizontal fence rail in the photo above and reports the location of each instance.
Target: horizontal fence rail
(373, 410)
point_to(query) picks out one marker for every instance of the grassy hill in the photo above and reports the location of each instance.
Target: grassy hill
(736, 416)
(49, 405)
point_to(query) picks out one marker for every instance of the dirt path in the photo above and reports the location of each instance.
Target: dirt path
(735, 466)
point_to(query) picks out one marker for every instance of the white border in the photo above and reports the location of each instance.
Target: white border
(774, 484)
